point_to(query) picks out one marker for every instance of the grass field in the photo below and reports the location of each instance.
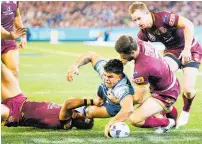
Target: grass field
(43, 69)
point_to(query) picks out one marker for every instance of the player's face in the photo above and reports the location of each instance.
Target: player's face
(111, 79)
(126, 57)
(141, 18)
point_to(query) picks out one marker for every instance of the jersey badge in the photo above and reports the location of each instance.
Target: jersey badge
(172, 20)
(139, 80)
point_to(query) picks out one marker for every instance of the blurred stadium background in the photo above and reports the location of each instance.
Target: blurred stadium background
(43, 66)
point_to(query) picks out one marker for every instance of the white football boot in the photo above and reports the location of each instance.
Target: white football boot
(183, 119)
(161, 130)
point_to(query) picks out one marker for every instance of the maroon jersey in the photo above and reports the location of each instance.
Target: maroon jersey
(164, 30)
(41, 115)
(8, 13)
(14, 104)
(151, 68)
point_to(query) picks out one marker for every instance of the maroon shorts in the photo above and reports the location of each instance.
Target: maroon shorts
(7, 45)
(14, 104)
(169, 96)
(196, 52)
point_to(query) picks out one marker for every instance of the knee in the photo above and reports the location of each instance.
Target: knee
(136, 121)
(90, 112)
(4, 113)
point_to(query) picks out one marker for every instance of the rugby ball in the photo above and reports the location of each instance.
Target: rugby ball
(119, 130)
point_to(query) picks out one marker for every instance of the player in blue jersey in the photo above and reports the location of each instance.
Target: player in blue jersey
(114, 96)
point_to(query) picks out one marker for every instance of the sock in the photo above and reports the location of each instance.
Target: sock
(173, 114)
(152, 122)
(187, 103)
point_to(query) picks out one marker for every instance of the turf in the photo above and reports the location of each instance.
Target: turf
(43, 69)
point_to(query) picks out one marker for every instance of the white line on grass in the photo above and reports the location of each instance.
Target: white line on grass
(58, 52)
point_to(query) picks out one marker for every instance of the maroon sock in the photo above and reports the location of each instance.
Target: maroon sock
(173, 114)
(187, 103)
(152, 122)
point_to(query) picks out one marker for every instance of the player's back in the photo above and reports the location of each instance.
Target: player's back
(151, 68)
(41, 115)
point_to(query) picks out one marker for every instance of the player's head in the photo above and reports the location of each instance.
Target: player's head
(113, 71)
(81, 122)
(140, 15)
(127, 47)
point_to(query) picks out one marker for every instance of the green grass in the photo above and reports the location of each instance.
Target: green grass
(43, 69)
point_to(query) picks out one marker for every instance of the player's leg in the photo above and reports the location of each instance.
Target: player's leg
(96, 112)
(173, 62)
(4, 113)
(143, 116)
(11, 60)
(190, 74)
(9, 84)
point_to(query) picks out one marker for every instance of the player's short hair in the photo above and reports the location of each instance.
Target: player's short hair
(83, 123)
(114, 66)
(137, 6)
(125, 44)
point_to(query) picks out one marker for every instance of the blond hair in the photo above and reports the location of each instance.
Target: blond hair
(137, 6)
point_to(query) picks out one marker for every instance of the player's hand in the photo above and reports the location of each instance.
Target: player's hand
(111, 96)
(71, 72)
(185, 55)
(23, 42)
(106, 133)
(98, 102)
(17, 33)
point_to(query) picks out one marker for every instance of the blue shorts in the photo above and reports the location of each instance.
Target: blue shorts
(112, 109)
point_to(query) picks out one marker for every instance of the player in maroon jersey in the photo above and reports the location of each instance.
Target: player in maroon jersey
(182, 51)
(150, 68)
(10, 18)
(17, 110)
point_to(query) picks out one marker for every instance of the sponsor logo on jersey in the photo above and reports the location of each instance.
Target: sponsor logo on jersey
(165, 19)
(139, 80)
(135, 73)
(151, 37)
(172, 20)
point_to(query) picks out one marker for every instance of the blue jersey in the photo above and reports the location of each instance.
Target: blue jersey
(122, 89)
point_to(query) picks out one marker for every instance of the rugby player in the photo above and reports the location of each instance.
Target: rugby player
(150, 68)
(10, 18)
(17, 110)
(182, 51)
(114, 96)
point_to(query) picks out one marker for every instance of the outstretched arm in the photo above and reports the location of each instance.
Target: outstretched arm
(72, 104)
(126, 110)
(90, 57)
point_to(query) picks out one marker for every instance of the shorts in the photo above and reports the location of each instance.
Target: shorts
(14, 104)
(7, 45)
(196, 52)
(169, 96)
(112, 109)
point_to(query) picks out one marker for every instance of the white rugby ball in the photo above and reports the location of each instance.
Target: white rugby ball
(119, 130)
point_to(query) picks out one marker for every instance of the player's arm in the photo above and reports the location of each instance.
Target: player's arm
(13, 34)
(126, 110)
(188, 28)
(72, 104)
(90, 57)
(18, 24)
(140, 92)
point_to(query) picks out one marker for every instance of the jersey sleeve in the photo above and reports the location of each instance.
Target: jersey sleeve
(123, 91)
(99, 67)
(142, 36)
(170, 19)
